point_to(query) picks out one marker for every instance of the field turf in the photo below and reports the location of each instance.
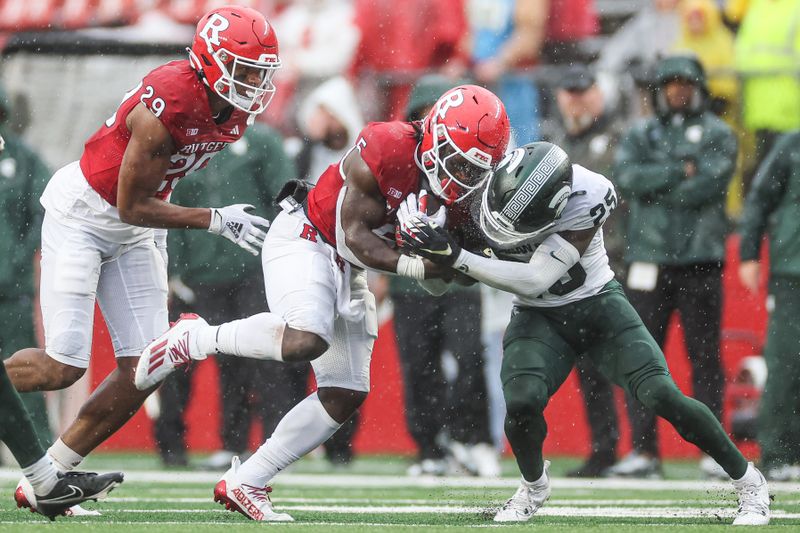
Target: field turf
(375, 495)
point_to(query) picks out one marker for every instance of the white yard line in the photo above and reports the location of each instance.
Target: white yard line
(565, 511)
(392, 501)
(343, 482)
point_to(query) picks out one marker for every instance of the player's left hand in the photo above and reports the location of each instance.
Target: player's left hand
(426, 239)
(237, 225)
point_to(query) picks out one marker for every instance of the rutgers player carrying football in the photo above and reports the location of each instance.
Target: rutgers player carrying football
(98, 238)
(314, 260)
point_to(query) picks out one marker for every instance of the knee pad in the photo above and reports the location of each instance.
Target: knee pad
(525, 395)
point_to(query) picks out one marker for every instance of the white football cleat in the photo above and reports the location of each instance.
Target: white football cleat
(753, 498)
(528, 499)
(26, 499)
(175, 347)
(253, 502)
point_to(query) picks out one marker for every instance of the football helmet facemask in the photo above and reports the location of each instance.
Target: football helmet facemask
(464, 135)
(526, 194)
(235, 50)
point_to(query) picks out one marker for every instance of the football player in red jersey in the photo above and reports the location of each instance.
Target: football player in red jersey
(98, 238)
(315, 260)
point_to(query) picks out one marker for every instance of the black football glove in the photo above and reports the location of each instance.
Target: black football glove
(426, 239)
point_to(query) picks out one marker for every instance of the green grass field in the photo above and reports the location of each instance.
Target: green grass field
(375, 495)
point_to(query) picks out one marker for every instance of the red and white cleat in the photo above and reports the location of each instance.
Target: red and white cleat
(176, 347)
(253, 502)
(26, 499)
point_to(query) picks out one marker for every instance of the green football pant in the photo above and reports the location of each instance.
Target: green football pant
(539, 351)
(16, 428)
(18, 312)
(779, 414)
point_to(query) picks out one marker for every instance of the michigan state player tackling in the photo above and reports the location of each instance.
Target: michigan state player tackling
(541, 221)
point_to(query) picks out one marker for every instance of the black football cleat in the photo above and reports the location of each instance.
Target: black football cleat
(74, 488)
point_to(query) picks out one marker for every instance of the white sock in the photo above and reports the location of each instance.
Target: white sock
(42, 475)
(301, 430)
(750, 477)
(63, 457)
(259, 337)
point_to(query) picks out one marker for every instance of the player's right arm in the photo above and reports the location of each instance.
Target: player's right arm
(363, 210)
(143, 169)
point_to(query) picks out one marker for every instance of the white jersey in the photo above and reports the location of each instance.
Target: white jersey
(592, 200)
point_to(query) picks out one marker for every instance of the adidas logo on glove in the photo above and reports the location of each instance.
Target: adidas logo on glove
(235, 228)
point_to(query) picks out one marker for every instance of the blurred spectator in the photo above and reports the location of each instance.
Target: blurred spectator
(673, 170)
(330, 120)
(772, 207)
(767, 58)
(445, 417)
(506, 39)
(318, 40)
(400, 44)
(569, 23)
(23, 177)
(630, 53)
(225, 283)
(591, 131)
(704, 35)
(734, 11)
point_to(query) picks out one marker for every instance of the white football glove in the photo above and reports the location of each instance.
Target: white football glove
(237, 225)
(416, 208)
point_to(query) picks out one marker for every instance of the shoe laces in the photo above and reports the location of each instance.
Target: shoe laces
(259, 494)
(750, 501)
(520, 501)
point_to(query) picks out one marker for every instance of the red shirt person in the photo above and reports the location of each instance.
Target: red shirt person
(103, 235)
(315, 260)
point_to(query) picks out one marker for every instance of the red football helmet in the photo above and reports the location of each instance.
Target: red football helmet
(232, 44)
(464, 136)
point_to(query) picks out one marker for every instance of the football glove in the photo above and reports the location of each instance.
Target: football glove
(426, 239)
(416, 207)
(237, 225)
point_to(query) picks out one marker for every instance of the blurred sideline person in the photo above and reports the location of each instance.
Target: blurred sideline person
(448, 419)
(98, 240)
(23, 176)
(224, 284)
(772, 208)
(315, 261)
(590, 133)
(674, 170)
(541, 218)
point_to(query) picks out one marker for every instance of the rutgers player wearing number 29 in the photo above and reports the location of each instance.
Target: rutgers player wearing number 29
(540, 219)
(314, 260)
(98, 234)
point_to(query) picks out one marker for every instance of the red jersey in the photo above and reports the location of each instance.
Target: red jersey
(389, 150)
(175, 95)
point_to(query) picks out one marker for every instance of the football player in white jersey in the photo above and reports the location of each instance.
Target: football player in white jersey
(541, 219)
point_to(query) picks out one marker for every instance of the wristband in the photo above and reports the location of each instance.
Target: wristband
(411, 267)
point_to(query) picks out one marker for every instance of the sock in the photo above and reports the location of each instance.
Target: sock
(16, 428)
(42, 475)
(63, 457)
(301, 430)
(750, 477)
(259, 337)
